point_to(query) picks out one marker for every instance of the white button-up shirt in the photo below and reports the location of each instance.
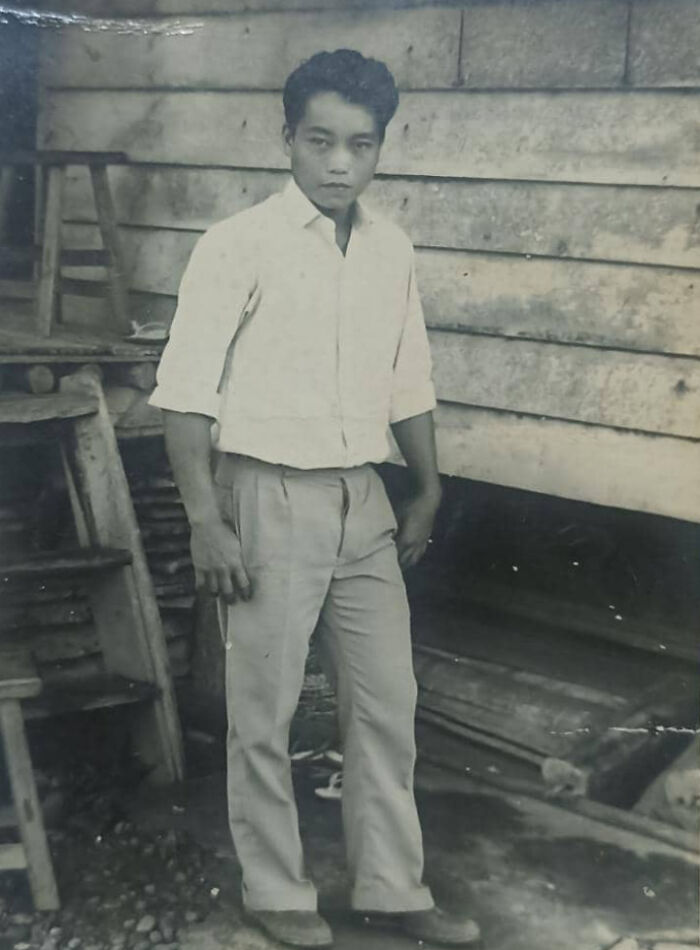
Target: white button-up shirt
(303, 356)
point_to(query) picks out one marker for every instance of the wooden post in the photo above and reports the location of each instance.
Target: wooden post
(107, 221)
(27, 807)
(51, 250)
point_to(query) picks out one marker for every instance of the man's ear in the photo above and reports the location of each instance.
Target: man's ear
(287, 139)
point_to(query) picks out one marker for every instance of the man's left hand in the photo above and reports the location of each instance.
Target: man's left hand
(415, 525)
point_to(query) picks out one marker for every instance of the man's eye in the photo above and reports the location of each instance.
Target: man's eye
(363, 145)
(321, 143)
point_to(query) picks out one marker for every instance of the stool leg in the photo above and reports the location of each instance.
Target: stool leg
(49, 274)
(109, 230)
(29, 817)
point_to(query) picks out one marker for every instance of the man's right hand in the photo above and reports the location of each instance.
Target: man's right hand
(218, 562)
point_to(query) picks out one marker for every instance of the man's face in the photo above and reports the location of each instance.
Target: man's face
(334, 151)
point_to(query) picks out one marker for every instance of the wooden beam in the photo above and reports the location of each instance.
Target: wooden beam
(21, 410)
(554, 43)
(664, 43)
(61, 157)
(595, 137)
(627, 224)
(109, 230)
(654, 474)
(28, 807)
(627, 307)
(421, 47)
(643, 392)
(49, 274)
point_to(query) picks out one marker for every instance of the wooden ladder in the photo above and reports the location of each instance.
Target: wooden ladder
(49, 255)
(110, 561)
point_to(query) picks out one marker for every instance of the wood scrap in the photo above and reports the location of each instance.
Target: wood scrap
(141, 376)
(612, 765)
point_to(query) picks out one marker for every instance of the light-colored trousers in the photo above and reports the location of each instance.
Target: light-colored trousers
(319, 548)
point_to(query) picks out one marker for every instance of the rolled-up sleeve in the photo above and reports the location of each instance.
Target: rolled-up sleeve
(413, 392)
(215, 291)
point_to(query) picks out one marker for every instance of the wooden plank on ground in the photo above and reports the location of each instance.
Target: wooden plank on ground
(547, 44)
(631, 307)
(605, 137)
(421, 47)
(654, 474)
(664, 43)
(646, 392)
(631, 224)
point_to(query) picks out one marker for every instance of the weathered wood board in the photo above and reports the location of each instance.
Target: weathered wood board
(665, 43)
(421, 47)
(144, 8)
(631, 224)
(653, 474)
(596, 137)
(631, 307)
(657, 394)
(546, 45)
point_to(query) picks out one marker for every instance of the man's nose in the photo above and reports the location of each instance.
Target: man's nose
(340, 161)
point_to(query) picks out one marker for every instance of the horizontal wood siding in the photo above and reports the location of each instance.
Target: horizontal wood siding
(587, 463)
(545, 160)
(252, 52)
(629, 307)
(626, 224)
(594, 137)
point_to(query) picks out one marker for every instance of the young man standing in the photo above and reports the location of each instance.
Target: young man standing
(299, 332)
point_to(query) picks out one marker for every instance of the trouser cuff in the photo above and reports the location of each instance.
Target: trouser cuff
(383, 901)
(301, 898)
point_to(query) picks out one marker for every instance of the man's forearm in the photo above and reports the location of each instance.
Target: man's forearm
(415, 438)
(188, 441)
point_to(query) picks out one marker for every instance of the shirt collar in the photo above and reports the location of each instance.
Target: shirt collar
(302, 212)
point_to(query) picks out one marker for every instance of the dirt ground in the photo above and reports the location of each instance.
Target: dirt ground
(146, 869)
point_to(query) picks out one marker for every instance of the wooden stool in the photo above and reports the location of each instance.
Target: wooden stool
(49, 254)
(18, 680)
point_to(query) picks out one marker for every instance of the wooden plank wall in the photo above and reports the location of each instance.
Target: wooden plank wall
(545, 161)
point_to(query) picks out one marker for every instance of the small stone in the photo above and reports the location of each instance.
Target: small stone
(150, 889)
(627, 943)
(155, 936)
(74, 943)
(21, 919)
(192, 916)
(23, 946)
(146, 924)
(167, 928)
(143, 945)
(49, 944)
(129, 924)
(181, 877)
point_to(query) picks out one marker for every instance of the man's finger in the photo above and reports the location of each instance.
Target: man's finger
(212, 583)
(226, 587)
(242, 582)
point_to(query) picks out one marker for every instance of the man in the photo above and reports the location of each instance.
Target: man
(299, 332)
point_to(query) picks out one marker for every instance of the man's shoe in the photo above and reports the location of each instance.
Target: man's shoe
(439, 926)
(296, 928)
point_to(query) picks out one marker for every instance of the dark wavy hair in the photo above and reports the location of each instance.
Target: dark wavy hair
(362, 81)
